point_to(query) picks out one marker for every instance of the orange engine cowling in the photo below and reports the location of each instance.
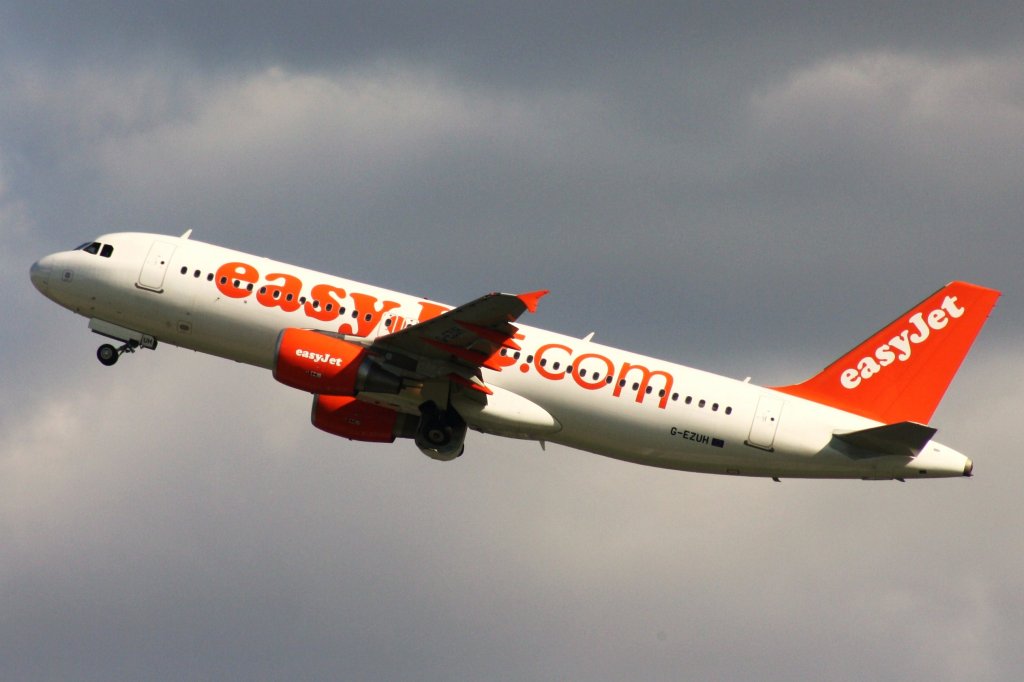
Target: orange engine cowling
(347, 417)
(318, 363)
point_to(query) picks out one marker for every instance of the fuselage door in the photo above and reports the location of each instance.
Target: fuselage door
(766, 422)
(155, 268)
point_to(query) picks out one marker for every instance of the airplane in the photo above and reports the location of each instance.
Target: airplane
(382, 366)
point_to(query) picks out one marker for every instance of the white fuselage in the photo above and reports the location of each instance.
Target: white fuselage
(607, 401)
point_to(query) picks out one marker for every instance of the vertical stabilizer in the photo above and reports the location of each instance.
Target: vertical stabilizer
(900, 373)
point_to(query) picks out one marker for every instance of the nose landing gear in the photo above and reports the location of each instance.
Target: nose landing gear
(108, 354)
(132, 340)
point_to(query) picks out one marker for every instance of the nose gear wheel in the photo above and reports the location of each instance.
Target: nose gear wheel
(108, 354)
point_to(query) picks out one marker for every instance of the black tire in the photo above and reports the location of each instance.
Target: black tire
(438, 435)
(107, 354)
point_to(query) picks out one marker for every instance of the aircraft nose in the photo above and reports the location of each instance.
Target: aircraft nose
(40, 273)
(968, 467)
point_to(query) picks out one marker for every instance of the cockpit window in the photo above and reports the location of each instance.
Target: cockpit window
(96, 248)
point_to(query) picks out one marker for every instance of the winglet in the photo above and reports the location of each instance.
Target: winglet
(530, 299)
(900, 373)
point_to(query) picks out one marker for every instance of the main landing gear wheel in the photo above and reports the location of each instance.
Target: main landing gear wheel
(107, 354)
(441, 434)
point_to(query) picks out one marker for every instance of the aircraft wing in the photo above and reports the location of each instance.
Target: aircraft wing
(461, 340)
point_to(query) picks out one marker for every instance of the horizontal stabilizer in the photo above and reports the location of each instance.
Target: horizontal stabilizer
(902, 438)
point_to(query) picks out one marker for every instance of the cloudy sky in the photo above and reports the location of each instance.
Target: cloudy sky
(746, 191)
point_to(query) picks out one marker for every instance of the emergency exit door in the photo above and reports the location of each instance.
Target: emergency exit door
(155, 268)
(766, 422)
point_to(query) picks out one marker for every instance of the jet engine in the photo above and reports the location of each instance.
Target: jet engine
(439, 434)
(323, 364)
(350, 418)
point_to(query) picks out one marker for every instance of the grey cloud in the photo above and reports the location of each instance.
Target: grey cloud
(525, 42)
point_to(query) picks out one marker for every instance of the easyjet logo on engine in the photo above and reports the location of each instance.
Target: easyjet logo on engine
(900, 347)
(318, 358)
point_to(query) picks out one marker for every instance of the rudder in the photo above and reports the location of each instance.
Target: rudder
(901, 372)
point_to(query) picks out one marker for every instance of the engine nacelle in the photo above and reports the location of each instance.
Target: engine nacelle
(319, 363)
(350, 418)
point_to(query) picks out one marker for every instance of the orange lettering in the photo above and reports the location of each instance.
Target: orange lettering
(229, 273)
(539, 361)
(599, 378)
(285, 296)
(430, 310)
(644, 383)
(369, 315)
(327, 305)
(397, 324)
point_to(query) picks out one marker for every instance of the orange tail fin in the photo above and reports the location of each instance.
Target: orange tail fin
(901, 373)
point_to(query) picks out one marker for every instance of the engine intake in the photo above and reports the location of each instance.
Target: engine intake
(318, 363)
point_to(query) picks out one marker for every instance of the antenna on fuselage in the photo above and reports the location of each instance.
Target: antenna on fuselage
(188, 233)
